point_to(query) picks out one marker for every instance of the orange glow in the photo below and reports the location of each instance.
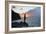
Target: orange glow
(27, 14)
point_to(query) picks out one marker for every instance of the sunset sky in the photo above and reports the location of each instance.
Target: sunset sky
(23, 9)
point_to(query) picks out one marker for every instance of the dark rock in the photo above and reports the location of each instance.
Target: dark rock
(20, 24)
(15, 16)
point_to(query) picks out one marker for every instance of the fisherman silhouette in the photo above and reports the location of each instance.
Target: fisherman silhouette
(16, 16)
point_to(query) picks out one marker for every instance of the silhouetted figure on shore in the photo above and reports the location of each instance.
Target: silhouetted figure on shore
(24, 17)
